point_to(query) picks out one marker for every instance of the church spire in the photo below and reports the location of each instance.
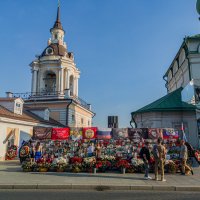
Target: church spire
(57, 23)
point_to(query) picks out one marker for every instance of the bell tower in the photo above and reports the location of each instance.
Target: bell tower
(54, 73)
(57, 32)
(55, 82)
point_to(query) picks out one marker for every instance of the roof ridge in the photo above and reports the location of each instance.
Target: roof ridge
(171, 101)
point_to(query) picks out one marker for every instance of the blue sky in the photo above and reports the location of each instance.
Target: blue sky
(122, 47)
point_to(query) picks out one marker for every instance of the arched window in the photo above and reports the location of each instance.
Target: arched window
(175, 67)
(50, 82)
(169, 75)
(182, 57)
(71, 85)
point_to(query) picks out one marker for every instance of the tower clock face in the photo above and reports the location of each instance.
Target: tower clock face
(49, 51)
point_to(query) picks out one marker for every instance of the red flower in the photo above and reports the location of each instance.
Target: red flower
(123, 164)
(108, 164)
(40, 160)
(49, 160)
(76, 160)
(98, 164)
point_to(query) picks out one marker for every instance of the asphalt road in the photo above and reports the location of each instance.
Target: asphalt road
(95, 195)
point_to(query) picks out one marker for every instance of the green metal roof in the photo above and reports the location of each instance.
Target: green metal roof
(197, 36)
(170, 102)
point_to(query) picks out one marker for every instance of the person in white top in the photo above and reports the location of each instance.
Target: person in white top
(90, 150)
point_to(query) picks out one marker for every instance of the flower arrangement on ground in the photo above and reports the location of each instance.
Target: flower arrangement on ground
(60, 164)
(89, 163)
(27, 166)
(123, 164)
(108, 157)
(99, 164)
(112, 159)
(170, 166)
(76, 163)
(11, 153)
(137, 165)
(43, 164)
(104, 165)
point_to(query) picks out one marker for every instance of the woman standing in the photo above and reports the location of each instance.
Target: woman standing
(38, 151)
(98, 150)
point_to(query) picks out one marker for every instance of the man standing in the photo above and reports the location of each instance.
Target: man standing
(145, 155)
(159, 159)
(184, 157)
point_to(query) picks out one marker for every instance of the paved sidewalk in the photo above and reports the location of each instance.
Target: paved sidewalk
(12, 177)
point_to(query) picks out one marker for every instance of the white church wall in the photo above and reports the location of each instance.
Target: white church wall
(171, 120)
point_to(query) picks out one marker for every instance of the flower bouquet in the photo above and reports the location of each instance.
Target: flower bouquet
(123, 165)
(76, 163)
(43, 165)
(89, 163)
(11, 153)
(27, 166)
(61, 164)
(170, 166)
(104, 165)
(110, 158)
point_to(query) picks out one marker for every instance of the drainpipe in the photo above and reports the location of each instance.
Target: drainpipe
(67, 113)
(187, 53)
(164, 78)
(133, 121)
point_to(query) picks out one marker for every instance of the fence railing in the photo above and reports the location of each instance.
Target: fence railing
(43, 94)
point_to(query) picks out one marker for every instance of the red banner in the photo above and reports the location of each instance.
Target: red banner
(89, 133)
(60, 134)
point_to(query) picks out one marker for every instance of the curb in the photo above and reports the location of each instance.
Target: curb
(100, 187)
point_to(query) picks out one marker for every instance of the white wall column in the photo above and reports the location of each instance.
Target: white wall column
(67, 79)
(77, 87)
(34, 81)
(61, 80)
(74, 88)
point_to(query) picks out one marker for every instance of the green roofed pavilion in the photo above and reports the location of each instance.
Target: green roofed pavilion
(170, 102)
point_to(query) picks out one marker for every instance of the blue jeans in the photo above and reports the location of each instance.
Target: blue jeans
(146, 167)
(90, 154)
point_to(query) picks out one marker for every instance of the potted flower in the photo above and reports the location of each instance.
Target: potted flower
(137, 165)
(43, 165)
(89, 164)
(61, 164)
(111, 159)
(105, 164)
(76, 163)
(123, 165)
(27, 166)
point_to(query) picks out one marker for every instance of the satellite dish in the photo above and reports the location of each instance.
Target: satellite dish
(198, 6)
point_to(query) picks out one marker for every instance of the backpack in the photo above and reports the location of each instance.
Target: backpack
(155, 152)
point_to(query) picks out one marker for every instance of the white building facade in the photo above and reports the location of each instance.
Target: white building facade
(180, 107)
(55, 80)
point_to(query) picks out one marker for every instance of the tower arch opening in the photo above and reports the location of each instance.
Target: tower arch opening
(71, 85)
(49, 82)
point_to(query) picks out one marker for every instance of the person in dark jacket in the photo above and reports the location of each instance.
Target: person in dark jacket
(145, 155)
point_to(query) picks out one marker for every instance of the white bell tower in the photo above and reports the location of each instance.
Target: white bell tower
(54, 73)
